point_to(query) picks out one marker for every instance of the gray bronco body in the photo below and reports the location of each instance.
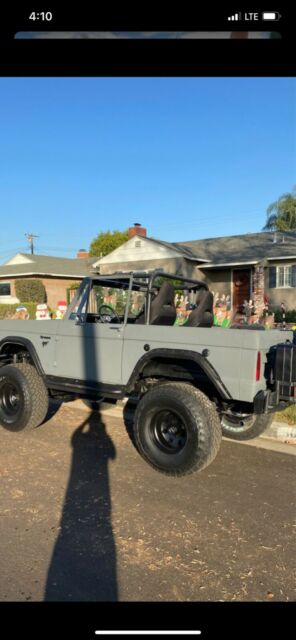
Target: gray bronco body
(94, 352)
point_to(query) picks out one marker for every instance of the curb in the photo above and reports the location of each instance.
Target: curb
(279, 431)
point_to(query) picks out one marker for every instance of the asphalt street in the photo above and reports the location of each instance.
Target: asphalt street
(84, 518)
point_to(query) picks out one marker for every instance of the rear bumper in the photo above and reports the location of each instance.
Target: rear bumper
(270, 401)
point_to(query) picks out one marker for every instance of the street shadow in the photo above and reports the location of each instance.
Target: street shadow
(128, 419)
(83, 564)
(53, 407)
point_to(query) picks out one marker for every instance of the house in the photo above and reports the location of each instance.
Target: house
(57, 274)
(141, 252)
(253, 265)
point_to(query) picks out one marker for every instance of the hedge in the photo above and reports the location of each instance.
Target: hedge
(8, 310)
(290, 316)
(30, 290)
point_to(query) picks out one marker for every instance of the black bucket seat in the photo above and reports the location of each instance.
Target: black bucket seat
(162, 308)
(203, 315)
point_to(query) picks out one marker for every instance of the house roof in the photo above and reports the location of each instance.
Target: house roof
(248, 248)
(185, 250)
(47, 266)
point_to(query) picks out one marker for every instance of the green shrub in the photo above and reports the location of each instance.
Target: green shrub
(8, 310)
(290, 316)
(30, 290)
(288, 415)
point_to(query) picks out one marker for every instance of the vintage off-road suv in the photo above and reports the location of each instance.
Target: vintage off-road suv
(119, 338)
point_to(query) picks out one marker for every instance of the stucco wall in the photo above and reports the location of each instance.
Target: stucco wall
(56, 289)
(217, 280)
(171, 265)
(277, 296)
(136, 250)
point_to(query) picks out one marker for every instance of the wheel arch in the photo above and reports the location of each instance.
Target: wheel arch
(12, 345)
(174, 362)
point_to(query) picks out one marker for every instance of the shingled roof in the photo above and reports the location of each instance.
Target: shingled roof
(47, 266)
(183, 249)
(247, 248)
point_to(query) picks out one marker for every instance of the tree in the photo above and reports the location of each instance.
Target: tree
(107, 241)
(281, 215)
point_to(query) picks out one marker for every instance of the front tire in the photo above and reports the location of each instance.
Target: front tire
(23, 397)
(177, 429)
(245, 426)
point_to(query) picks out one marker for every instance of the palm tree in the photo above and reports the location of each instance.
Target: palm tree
(281, 214)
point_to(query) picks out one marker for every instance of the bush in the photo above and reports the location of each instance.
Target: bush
(288, 415)
(8, 310)
(30, 290)
(290, 316)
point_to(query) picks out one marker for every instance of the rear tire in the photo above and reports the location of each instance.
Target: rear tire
(23, 397)
(245, 427)
(177, 429)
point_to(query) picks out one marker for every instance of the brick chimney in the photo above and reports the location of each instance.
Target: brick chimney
(136, 230)
(82, 254)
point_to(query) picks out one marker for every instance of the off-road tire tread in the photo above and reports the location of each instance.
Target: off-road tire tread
(195, 400)
(38, 392)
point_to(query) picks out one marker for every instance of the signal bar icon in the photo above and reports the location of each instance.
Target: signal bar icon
(236, 16)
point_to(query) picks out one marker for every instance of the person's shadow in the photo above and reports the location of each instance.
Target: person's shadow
(83, 564)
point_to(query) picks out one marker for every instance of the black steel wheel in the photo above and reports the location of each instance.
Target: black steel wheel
(169, 431)
(23, 397)
(10, 399)
(177, 429)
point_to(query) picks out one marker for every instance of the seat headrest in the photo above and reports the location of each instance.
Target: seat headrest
(162, 310)
(166, 294)
(203, 315)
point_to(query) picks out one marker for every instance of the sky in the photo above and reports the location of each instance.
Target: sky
(188, 158)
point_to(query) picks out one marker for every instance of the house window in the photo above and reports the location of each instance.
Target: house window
(282, 277)
(137, 243)
(5, 289)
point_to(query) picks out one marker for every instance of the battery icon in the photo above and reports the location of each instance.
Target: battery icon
(271, 15)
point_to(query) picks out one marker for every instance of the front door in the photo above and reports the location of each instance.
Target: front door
(89, 352)
(241, 287)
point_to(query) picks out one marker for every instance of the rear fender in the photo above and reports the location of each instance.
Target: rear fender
(175, 355)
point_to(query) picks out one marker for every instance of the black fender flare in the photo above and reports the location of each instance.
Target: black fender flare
(27, 344)
(182, 354)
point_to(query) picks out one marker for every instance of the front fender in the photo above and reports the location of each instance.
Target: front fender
(28, 346)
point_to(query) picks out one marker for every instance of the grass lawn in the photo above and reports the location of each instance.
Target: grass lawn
(288, 415)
